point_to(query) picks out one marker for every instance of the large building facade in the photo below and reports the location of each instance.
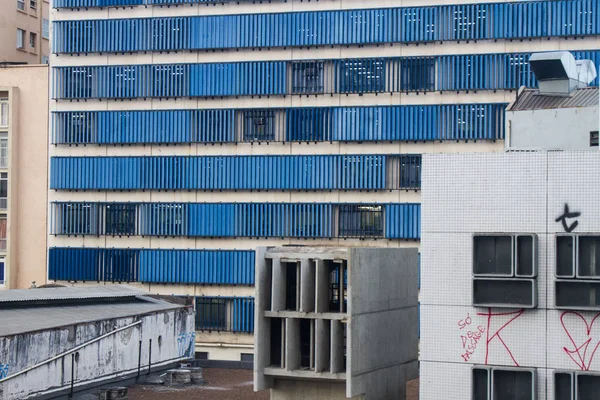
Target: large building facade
(24, 31)
(186, 134)
(23, 175)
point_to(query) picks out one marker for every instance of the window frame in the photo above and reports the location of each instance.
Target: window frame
(573, 375)
(21, 5)
(486, 278)
(361, 221)
(491, 381)
(21, 38)
(33, 40)
(218, 323)
(4, 113)
(45, 28)
(594, 139)
(308, 84)
(33, 4)
(574, 278)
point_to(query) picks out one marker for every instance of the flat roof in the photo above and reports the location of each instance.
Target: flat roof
(532, 99)
(33, 310)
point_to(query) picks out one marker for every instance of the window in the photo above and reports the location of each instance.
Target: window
(247, 357)
(33, 4)
(120, 219)
(211, 314)
(3, 191)
(45, 60)
(121, 265)
(578, 272)
(3, 150)
(338, 288)
(360, 76)
(79, 84)
(594, 139)
(503, 384)
(4, 114)
(45, 28)
(417, 75)
(406, 170)
(504, 270)
(78, 219)
(32, 39)
(360, 221)
(79, 129)
(21, 5)
(570, 385)
(259, 125)
(307, 77)
(3, 232)
(2, 265)
(20, 39)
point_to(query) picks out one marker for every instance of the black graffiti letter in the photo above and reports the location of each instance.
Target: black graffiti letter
(568, 214)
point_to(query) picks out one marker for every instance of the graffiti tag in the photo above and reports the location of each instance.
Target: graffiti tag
(469, 337)
(567, 215)
(493, 334)
(584, 337)
(185, 344)
(4, 370)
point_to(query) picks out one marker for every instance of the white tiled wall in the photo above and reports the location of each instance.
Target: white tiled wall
(465, 194)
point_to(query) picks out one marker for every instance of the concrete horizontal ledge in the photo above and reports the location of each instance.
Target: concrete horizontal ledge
(310, 315)
(304, 374)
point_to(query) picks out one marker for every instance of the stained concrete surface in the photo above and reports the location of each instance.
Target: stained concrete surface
(222, 384)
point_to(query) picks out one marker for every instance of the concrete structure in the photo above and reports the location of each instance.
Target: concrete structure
(24, 31)
(509, 260)
(23, 175)
(179, 129)
(335, 322)
(58, 341)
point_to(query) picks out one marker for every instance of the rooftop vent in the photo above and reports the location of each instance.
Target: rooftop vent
(559, 73)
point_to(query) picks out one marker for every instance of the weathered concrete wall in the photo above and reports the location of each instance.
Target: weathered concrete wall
(300, 390)
(171, 332)
(383, 327)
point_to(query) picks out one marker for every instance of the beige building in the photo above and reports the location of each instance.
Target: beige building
(24, 31)
(23, 175)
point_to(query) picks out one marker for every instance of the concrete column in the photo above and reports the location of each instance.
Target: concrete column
(322, 287)
(322, 345)
(337, 347)
(292, 344)
(278, 288)
(307, 286)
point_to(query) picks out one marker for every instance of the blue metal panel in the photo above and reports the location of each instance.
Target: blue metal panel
(403, 221)
(243, 314)
(219, 267)
(298, 172)
(515, 20)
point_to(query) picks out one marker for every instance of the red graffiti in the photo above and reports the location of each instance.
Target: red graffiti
(584, 347)
(470, 338)
(512, 316)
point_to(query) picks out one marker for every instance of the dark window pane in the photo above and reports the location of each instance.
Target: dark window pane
(360, 221)
(588, 387)
(291, 286)
(259, 125)
(120, 219)
(564, 256)
(305, 349)
(211, 314)
(417, 75)
(492, 255)
(525, 261)
(512, 385)
(480, 384)
(507, 292)
(577, 294)
(589, 256)
(247, 357)
(563, 387)
(276, 342)
(307, 77)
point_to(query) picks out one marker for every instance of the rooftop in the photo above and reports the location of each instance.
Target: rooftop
(34, 310)
(531, 99)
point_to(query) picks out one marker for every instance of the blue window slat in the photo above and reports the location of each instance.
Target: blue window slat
(209, 220)
(150, 265)
(516, 20)
(297, 172)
